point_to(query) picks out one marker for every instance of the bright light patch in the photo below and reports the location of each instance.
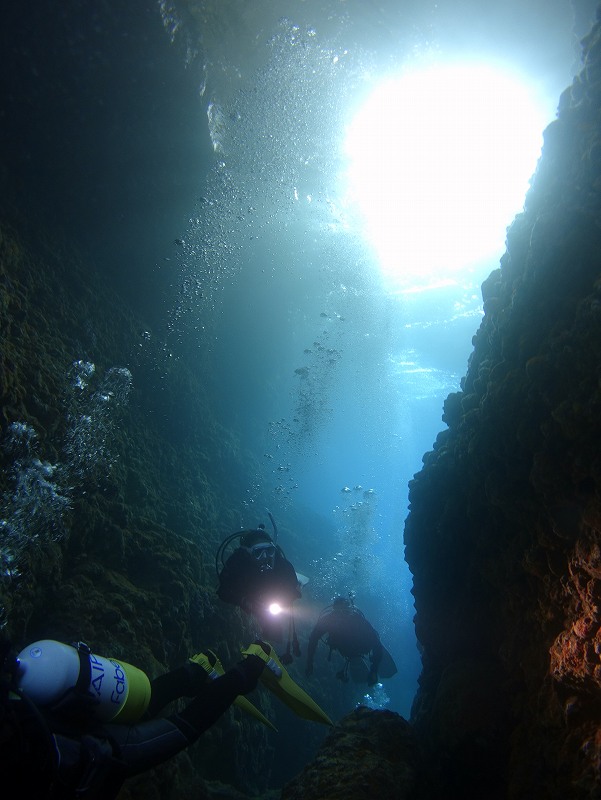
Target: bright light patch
(275, 609)
(439, 164)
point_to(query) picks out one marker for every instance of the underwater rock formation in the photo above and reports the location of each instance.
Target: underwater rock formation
(122, 556)
(503, 536)
(504, 531)
(368, 754)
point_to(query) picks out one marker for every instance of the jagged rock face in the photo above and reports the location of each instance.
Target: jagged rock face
(118, 573)
(504, 531)
(370, 754)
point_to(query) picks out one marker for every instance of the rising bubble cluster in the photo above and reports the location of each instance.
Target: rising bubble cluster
(32, 510)
(358, 558)
(92, 416)
(376, 698)
(34, 506)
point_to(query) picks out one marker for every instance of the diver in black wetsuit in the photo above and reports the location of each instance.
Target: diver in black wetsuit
(256, 573)
(348, 632)
(64, 751)
(259, 579)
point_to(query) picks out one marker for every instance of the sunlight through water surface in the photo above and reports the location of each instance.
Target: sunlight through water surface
(439, 161)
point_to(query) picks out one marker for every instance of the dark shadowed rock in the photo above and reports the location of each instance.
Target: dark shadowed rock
(504, 531)
(370, 754)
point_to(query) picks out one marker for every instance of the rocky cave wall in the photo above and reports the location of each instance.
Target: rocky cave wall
(504, 532)
(503, 536)
(126, 562)
(116, 545)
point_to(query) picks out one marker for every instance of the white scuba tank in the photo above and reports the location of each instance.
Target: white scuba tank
(49, 669)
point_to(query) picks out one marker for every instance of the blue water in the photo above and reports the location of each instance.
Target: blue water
(212, 197)
(332, 380)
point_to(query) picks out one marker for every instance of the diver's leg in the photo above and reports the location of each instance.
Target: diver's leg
(185, 681)
(141, 747)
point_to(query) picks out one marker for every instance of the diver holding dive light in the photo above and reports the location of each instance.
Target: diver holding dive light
(258, 578)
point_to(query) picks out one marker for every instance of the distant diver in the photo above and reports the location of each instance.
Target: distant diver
(259, 579)
(348, 632)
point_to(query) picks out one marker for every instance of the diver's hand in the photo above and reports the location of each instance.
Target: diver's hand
(262, 651)
(269, 662)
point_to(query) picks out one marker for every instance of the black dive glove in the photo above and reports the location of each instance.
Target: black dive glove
(252, 666)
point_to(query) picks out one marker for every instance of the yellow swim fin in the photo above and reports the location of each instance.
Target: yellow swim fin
(276, 679)
(214, 668)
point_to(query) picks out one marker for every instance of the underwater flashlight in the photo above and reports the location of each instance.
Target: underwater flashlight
(275, 609)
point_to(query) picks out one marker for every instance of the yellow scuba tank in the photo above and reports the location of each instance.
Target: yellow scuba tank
(48, 670)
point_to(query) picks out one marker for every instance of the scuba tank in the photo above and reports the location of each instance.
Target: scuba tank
(53, 674)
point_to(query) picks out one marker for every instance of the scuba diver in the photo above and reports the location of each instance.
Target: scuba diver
(352, 635)
(259, 579)
(77, 725)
